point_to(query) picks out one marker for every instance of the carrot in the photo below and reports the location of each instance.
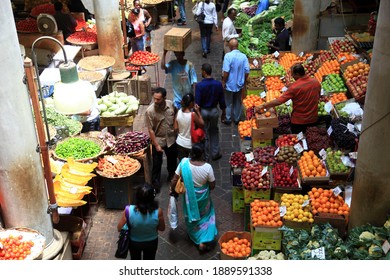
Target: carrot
(118, 165)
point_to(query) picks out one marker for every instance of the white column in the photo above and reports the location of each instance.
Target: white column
(23, 195)
(371, 188)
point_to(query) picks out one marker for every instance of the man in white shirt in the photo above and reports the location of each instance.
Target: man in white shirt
(228, 29)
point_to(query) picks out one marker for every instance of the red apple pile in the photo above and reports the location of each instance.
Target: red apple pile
(310, 67)
(282, 177)
(237, 159)
(252, 179)
(341, 46)
(324, 56)
(265, 155)
(287, 140)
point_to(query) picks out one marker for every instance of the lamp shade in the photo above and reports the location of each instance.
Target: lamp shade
(71, 95)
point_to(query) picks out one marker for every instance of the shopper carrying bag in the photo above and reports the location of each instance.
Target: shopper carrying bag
(124, 238)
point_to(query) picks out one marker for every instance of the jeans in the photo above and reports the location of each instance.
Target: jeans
(143, 250)
(233, 106)
(182, 10)
(205, 36)
(157, 159)
(210, 117)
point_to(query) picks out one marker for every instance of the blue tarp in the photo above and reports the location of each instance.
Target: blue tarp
(262, 6)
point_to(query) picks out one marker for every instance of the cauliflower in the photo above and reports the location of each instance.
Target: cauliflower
(375, 251)
(366, 236)
(387, 224)
(280, 256)
(269, 255)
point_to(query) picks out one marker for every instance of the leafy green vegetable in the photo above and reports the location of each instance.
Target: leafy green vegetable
(56, 119)
(77, 148)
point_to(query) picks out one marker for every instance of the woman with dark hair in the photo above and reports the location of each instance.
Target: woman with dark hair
(137, 43)
(199, 180)
(183, 124)
(145, 219)
(208, 8)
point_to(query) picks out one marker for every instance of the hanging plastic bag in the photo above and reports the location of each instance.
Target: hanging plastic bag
(172, 212)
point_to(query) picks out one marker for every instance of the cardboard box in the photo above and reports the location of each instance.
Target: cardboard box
(298, 225)
(141, 88)
(264, 133)
(250, 196)
(254, 90)
(177, 39)
(230, 235)
(238, 200)
(266, 238)
(277, 192)
(261, 143)
(271, 121)
(339, 222)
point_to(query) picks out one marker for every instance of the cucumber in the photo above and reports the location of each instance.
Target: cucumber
(120, 110)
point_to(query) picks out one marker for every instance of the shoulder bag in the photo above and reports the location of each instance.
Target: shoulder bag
(124, 239)
(200, 18)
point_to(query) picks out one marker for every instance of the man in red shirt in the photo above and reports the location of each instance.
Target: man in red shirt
(305, 94)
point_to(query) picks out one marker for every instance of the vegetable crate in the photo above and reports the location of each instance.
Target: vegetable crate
(230, 235)
(339, 222)
(249, 196)
(238, 204)
(118, 120)
(266, 238)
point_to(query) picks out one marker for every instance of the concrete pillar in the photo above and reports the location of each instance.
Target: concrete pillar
(371, 188)
(306, 25)
(23, 195)
(108, 26)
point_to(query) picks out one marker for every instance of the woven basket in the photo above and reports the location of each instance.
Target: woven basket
(78, 131)
(99, 142)
(122, 176)
(28, 234)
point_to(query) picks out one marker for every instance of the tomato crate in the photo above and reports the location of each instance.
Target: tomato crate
(238, 204)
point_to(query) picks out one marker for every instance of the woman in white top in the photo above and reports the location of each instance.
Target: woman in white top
(183, 124)
(146, 18)
(211, 18)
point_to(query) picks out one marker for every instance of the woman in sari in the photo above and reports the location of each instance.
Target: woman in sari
(199, 180)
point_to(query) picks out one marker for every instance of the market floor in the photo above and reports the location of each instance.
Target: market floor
(175, 244)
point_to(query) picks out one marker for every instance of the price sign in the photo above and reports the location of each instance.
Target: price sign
(112, 160)
(351, 127)
(276, 54)
(353, 155)
(276, 151)
(306, 202)
(291, 170)
(328, 106)
(300, 54)
(304, 143)
(255, 62)
(330, 130)
(282, 78)
(386, 247)
(310, 57)
(342, 58)
(249, 156)
(347, 161)
(276, 64)
(323, 92)
(322, 153)
(262, 79)
(105, 130)
(358, 126)
(300, 136)
(298, 147)
(337, 191)
(318, 253)
(282, 210)
(263, 94)
(284, 89)
(265, 169)
(288, 102)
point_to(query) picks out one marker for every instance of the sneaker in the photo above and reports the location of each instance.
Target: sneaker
(204, 55)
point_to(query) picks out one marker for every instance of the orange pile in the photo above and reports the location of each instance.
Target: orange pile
(236, 247)
(288, 60)
(252, 100)
(310, 165)
(345, 57)
(265, 213)
(245, 128)
(355, 70)
(325, 201)
(272, 94)
(274, 83)
(328, 67)
(338, 97)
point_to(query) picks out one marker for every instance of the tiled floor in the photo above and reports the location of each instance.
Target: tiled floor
(175, 244)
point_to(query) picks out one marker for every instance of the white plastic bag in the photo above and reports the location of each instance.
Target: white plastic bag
(172, 212)
(194, 8)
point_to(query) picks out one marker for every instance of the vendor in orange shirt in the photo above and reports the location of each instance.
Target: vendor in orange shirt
(304, 94)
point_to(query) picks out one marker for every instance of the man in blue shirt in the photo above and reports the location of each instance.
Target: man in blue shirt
(183, 76)
(208, 94)
(235, 73)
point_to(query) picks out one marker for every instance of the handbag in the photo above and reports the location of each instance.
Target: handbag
(124, 239)
(179, 187)
(197, 133)
(200, 18)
